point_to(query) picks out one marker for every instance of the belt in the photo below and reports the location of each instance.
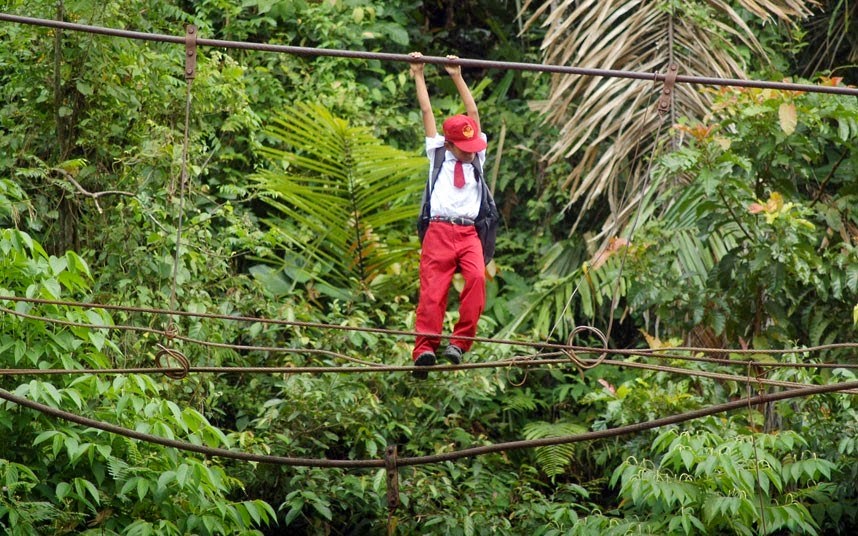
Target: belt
(454, 221)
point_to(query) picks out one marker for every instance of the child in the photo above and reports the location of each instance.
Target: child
(457, 224)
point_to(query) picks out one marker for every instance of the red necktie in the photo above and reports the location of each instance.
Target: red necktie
(458, 175)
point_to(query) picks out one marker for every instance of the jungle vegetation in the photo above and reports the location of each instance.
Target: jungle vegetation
(726, 225)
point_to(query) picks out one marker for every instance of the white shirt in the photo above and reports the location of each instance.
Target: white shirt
(447, 200)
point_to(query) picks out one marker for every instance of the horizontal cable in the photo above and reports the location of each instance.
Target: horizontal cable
(632, 428)
(373, 369)
(487, 64)
(423, 460)
(712, 375)
(183, 445)
(170, 335)
(234, 318)
(641, 352)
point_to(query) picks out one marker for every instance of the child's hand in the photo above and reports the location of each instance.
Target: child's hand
(452, 69)
(417, 66)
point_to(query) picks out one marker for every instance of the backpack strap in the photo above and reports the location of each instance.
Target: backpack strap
(478, 168)
(423, 218)
(437, 164)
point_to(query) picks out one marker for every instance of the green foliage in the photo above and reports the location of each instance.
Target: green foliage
(344, 197)
(756, 237)
(110, 119)
(22, 517)
(745, 230)
(12, 202)
(74, 476)
(705, 482)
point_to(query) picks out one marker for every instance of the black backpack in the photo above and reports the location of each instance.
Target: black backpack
(487, 219)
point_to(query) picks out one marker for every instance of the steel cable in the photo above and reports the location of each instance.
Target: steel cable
(660, 353)
(405, 58)
(429, 459)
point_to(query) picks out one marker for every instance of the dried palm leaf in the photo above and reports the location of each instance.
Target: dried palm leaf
(833, 38)
(606, 124)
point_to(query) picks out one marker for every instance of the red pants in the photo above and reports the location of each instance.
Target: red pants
(446, 248)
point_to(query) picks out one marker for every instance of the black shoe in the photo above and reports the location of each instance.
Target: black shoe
(425, 359)
(454, 354)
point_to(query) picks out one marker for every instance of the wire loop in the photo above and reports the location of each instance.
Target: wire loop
(573, 357)
(171, 330)
(177, 356)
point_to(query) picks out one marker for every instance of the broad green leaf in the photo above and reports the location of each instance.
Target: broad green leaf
(62, 490)
(323, 509)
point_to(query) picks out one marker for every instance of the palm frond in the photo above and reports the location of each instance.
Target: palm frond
(833, 38)
(540, 312)
(606, 122)
(340, 194)
(559, 302)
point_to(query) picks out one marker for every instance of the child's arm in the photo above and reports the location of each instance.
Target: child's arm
(423, 97)
(455, 72)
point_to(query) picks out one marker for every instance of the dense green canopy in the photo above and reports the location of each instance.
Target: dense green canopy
(711, 249)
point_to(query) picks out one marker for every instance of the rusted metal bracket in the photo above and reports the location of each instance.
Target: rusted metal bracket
(190, 52)
(392, 486)
(667, 91)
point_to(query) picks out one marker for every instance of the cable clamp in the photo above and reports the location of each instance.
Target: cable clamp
(190, 52)
(667, 91)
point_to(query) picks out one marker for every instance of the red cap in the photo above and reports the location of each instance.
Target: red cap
(463, 132)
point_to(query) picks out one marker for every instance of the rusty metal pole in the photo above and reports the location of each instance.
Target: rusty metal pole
(392, 487)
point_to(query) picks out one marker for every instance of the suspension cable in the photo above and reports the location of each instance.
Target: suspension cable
(430, 459)
(486, 64)
(523, 362)
(568, 349)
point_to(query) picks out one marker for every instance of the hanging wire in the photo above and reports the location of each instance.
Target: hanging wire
(584, 349)
(405, 58)
(549, 359)
(183, 185)
(759, 483)
(661, 353)
(172, 329)
(429, 459)
(605, 337)
(615, 298)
